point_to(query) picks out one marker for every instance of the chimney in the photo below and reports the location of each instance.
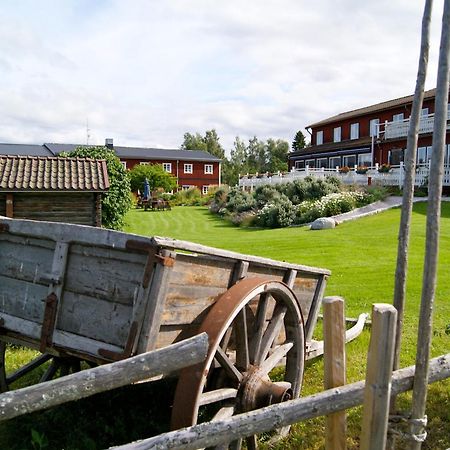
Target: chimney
(109, 143)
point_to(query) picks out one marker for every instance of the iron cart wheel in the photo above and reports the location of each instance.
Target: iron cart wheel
(254, 327)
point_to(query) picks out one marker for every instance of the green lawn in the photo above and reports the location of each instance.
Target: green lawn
(361, 256)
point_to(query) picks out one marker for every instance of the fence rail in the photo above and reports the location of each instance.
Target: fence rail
(394, 177)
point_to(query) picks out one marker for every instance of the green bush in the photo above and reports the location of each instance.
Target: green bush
(267, 193)
(309, 188)
(117, 201)
(280, 213)
(239, 201)
(156, 176)
(189, 197)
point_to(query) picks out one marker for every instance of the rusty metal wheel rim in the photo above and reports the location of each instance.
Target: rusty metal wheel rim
(252, 359)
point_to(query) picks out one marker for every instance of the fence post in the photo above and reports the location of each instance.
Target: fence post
(334, 367)
(378, 377)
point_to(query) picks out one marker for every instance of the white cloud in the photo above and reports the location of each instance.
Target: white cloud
(145, 72)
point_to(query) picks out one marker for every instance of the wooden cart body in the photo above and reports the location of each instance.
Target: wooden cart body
(102, 295)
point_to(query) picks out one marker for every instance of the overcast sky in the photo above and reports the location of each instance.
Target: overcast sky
(144, 72)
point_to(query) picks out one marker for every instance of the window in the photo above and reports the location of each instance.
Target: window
(447, 155)
(205, 189)
(337, 134)
(365, 159)
(349, 160)
(398, 117)
(319, 138)
(142, 163)
(124, 164)
(395, 156)
(354, 131)
(188, 168)
(299, 164)
(167, 167)
(421, 155)
(185, 187)
(335, 161)
(373, 127)
(424, 112)
(322, 162)
(209, 168)
(310, 163)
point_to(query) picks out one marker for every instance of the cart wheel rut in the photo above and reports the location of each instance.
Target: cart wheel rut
(253, 328)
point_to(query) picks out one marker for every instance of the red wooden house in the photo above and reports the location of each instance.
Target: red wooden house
(192, 168)
(369, 135)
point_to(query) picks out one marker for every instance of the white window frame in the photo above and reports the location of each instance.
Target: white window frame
(398, 117)
(337, 133)
(373, 128)
(333, 165)
(319, 137)
(424, 112)
(188, 168)
(167, 167)
(143, 163)
(310, 163)
(209, 169)
(124, 164)
(186, 187)
(300, 164)
(345, 160)
(205, 189)
(361, 161)
(354, 130)
(318, 160)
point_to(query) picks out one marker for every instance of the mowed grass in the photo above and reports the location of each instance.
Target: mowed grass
(361, 256)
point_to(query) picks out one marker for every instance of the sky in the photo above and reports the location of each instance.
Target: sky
(144, 72)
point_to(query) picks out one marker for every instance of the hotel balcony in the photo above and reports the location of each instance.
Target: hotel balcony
(399, 129)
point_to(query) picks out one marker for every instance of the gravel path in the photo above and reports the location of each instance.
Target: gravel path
(375, 208)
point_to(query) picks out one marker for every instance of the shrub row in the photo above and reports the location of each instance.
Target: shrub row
(282, 205)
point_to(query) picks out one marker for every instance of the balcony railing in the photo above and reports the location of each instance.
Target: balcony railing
(395, 177)
(399, 129)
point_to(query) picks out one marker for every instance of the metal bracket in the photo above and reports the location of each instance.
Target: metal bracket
(48, 324)
(153, 257)
(117, 356)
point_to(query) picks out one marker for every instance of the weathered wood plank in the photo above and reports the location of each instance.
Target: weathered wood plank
(103, 378)
(197, 248)
(286, 413)
(313, 312)
(377, 388)
(334, 367)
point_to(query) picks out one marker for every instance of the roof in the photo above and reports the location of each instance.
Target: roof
(30, 173)
(144, 153)
(334, 146)
(24, 150)
(372, 109)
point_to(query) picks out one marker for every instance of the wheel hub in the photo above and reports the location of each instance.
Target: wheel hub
(257, 391)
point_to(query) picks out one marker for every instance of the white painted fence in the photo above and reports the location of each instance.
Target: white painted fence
(394, 177)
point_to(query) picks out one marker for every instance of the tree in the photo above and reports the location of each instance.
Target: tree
(299, 141)
(256, 156)
(277, 155)
(157, 177)
(117, 201)
(193, 142)
(236, 165)
(209, 143)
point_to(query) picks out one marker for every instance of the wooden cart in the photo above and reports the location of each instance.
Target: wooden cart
(82, 293)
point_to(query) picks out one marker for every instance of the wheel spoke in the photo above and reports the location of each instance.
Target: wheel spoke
(278, 354)
(235, 445)
(259, 326)
(228, 365)
(242, 353)
(223, 413)
(271, 332)
(251, 442)
(217, 395)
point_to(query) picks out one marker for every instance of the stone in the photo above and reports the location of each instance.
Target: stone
(323, 223)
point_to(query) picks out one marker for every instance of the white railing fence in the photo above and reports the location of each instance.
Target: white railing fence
(394, 177)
